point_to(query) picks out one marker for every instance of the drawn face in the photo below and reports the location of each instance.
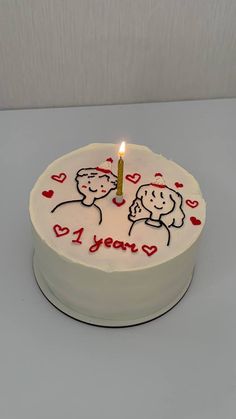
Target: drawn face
(94, 185)
(158, 201)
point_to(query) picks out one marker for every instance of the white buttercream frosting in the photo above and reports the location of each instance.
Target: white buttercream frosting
(81, 164)
(109, 264)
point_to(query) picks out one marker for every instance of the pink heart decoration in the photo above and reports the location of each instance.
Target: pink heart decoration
(178, 185)
(118, 204)
(192, 204)
(195, 221)
(59, 178)
(48, 194)
(149, 250)
(134, 178)
(60, 231)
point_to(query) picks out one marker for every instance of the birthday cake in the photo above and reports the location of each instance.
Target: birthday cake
(115, 262)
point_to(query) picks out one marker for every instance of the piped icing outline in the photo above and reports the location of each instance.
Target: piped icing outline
(196, 192)
(91, 173)
(150, 220)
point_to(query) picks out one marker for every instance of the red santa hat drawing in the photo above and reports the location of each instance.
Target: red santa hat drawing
(158, 181)
(105, 167)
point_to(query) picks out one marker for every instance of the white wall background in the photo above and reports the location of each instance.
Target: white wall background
(77, 52)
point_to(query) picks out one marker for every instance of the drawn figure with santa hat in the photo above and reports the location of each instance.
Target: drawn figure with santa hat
(93, 184)
(157, 206)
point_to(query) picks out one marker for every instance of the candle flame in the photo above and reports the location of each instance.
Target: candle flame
(122, 149)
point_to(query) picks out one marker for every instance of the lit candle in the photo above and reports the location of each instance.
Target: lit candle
(119, 192)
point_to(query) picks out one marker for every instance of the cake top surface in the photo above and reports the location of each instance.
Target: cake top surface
(73, 210)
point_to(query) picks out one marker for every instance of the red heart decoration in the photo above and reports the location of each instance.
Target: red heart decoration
(59, 178)
(118, 204)
(192, 204)
(134, 178)
(195, 221)
(149, 250)
(48, 194)
(110, 159)
(178, 185)
(60, 231)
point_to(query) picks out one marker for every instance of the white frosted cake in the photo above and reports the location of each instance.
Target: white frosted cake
(109, 263)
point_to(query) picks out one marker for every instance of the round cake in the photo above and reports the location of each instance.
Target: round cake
(115, 262)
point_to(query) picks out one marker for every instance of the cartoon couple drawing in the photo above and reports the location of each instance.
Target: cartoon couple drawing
(155, 204)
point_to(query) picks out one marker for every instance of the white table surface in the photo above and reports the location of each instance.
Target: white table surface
(182, 365)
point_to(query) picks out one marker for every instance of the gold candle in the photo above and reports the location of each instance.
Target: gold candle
(120, 177)
(119, 191)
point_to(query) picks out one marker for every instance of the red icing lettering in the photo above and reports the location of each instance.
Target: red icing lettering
(79, 232)
(119, 245)
(96, 246)
(108, 241)
(132, 247)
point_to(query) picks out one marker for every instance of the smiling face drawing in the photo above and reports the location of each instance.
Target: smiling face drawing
(157, 205)
(158, 201)
(94, 184)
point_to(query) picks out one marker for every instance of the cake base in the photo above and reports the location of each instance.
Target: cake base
(42, 283)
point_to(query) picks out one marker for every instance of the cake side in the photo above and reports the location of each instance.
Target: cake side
(112, 298)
